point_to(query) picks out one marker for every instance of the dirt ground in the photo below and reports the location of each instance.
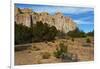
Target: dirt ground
(34, 54)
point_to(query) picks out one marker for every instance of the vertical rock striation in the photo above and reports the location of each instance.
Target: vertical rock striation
(27, 17)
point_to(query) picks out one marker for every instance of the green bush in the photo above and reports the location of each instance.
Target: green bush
(88, 40)
(22, 34)
(63, 54)
(90, 33)
(61, 51)
(76, 33)
(38, 32)
(72, 39)
(43, 32)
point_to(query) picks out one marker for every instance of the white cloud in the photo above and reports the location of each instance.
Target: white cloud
(63, 9)
(82, 22)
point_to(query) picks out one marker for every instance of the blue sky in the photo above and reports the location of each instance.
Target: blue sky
(82, 16)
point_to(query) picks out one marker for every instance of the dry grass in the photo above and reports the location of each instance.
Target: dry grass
(43, 52)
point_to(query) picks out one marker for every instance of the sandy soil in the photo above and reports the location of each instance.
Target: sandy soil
(34, 53)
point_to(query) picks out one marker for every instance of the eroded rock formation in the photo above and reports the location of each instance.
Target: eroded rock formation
(28, 18)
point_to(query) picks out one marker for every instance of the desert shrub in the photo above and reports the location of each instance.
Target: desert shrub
(76, 33)
(29, 51)
(63, 54)
(61, 51)
(38, 32)
(72, 39)
(22, 34)
(90, 33)
(61, 34)
(43, 32)
(46, 55)
(88, 40)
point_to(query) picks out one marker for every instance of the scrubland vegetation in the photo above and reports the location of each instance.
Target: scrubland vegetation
(49, 45)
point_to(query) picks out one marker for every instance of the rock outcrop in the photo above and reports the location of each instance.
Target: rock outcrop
(28, 18)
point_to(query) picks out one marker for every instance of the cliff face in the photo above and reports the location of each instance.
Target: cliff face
(27, 17)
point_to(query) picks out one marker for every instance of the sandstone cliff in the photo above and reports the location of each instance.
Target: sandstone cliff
(28, 17)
